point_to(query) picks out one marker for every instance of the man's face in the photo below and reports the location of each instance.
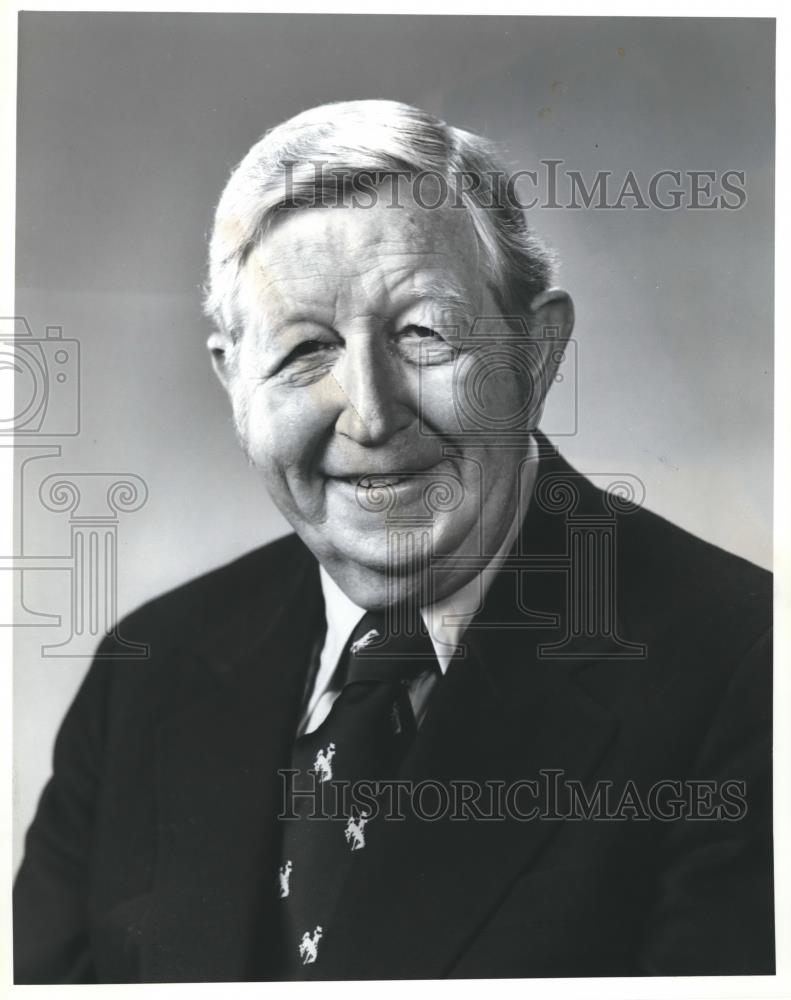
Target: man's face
(345, 370)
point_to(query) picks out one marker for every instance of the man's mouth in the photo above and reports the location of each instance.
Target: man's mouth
(368, 481)
(391, 477)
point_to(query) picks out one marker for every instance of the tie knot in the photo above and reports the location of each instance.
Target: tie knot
(389, 647)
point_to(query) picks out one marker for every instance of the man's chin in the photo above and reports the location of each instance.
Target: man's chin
(386, 567)
(375, 588)
(377, 561)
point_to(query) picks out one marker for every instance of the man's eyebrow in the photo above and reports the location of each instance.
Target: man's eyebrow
(236, 319)
(445, 293)
(285, 322)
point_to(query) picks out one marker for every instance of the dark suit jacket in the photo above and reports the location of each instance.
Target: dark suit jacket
(154, 850)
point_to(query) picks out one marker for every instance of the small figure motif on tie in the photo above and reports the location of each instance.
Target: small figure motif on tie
(354, 831)
(364, 641)
(284, 873)
(322, 765)
(309, 946)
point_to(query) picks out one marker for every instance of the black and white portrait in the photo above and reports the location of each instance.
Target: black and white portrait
(392, 554)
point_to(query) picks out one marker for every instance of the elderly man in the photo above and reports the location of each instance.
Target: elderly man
(475, 717)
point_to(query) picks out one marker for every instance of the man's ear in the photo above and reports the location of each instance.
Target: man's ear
(221, 348)
(550, 322)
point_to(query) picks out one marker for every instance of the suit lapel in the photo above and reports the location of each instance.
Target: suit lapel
(219, 793)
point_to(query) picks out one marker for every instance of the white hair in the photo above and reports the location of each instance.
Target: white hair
(375, 138)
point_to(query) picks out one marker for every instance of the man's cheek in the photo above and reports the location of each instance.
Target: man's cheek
(280, 432)
(437, 401)
(261, 436)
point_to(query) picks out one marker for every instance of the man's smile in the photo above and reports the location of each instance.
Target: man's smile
(364, 486)
(384, 476)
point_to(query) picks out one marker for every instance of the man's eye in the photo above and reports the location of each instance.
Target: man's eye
(306, 347)
(305, 350)
(424, 332)
(424, 346)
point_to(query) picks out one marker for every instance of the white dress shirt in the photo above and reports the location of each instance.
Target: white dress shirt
(446, 621)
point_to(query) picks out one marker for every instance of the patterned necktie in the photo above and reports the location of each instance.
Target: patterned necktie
(363, 739)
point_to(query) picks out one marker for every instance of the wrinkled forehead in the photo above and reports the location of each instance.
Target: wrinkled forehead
(355, 261)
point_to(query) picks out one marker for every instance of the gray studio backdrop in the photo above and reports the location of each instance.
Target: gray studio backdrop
(128, 127)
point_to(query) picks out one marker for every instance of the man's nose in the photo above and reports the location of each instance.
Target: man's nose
(375, 400)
